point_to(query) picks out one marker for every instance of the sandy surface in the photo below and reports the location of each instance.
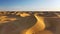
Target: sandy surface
(21, 23)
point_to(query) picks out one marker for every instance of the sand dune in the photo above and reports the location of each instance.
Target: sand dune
(29, 23)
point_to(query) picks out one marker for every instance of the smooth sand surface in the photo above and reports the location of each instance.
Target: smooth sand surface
(22, 23)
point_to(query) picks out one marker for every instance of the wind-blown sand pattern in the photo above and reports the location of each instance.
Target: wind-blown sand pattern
(29, 22)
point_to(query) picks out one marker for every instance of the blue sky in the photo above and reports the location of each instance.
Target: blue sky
(30, 5)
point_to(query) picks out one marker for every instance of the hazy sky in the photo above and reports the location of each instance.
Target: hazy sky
(30, 5)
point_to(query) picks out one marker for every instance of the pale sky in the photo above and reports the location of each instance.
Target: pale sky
(30, 5)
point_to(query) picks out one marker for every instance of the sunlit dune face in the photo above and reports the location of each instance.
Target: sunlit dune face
(12, 19)
(40, 21)
(39, 26)
(24, 14)
(5, 19)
